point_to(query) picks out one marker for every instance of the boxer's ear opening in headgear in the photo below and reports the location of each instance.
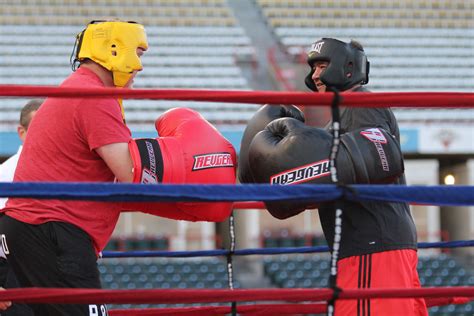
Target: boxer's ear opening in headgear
(113, 45)
(348, 64)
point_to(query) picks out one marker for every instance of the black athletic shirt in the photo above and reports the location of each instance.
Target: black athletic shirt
(369, 227)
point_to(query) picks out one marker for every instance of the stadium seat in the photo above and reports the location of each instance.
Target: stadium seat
(394, 34)
(207, 28)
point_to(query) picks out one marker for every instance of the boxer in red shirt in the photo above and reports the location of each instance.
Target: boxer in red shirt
(55, 243)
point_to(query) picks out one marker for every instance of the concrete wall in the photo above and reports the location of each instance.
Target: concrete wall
(459, 221)
(426, 217)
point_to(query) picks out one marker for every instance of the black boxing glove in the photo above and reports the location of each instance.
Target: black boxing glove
(375, 154)
(257, 123)
(288, 152)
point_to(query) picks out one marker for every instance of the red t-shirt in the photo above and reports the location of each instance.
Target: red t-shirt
(60, 147)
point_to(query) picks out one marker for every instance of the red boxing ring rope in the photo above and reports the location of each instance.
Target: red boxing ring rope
(261, 309)
(357, 99)
(189, 296)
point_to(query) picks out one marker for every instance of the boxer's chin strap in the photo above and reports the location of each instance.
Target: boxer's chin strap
(120, 102)
(336, 140)
(230, 268)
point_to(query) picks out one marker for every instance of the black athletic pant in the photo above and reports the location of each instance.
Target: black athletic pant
(8, 281)
(53, 254)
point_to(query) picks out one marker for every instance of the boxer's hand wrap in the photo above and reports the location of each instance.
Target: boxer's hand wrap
(288, 152)
(189, 151)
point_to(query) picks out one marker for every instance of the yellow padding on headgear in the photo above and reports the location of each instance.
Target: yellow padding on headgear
(114, 45)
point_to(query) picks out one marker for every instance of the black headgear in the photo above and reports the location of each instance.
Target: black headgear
(347, 66)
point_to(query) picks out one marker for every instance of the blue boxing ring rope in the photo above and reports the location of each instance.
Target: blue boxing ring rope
(430, 195)
(260, 251)
(120, 192)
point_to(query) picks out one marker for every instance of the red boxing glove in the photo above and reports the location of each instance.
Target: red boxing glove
(189, 151)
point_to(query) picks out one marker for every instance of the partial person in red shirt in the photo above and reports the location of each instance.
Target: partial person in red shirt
(55, 243)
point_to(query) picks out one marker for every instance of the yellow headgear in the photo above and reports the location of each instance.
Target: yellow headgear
(113, 45)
